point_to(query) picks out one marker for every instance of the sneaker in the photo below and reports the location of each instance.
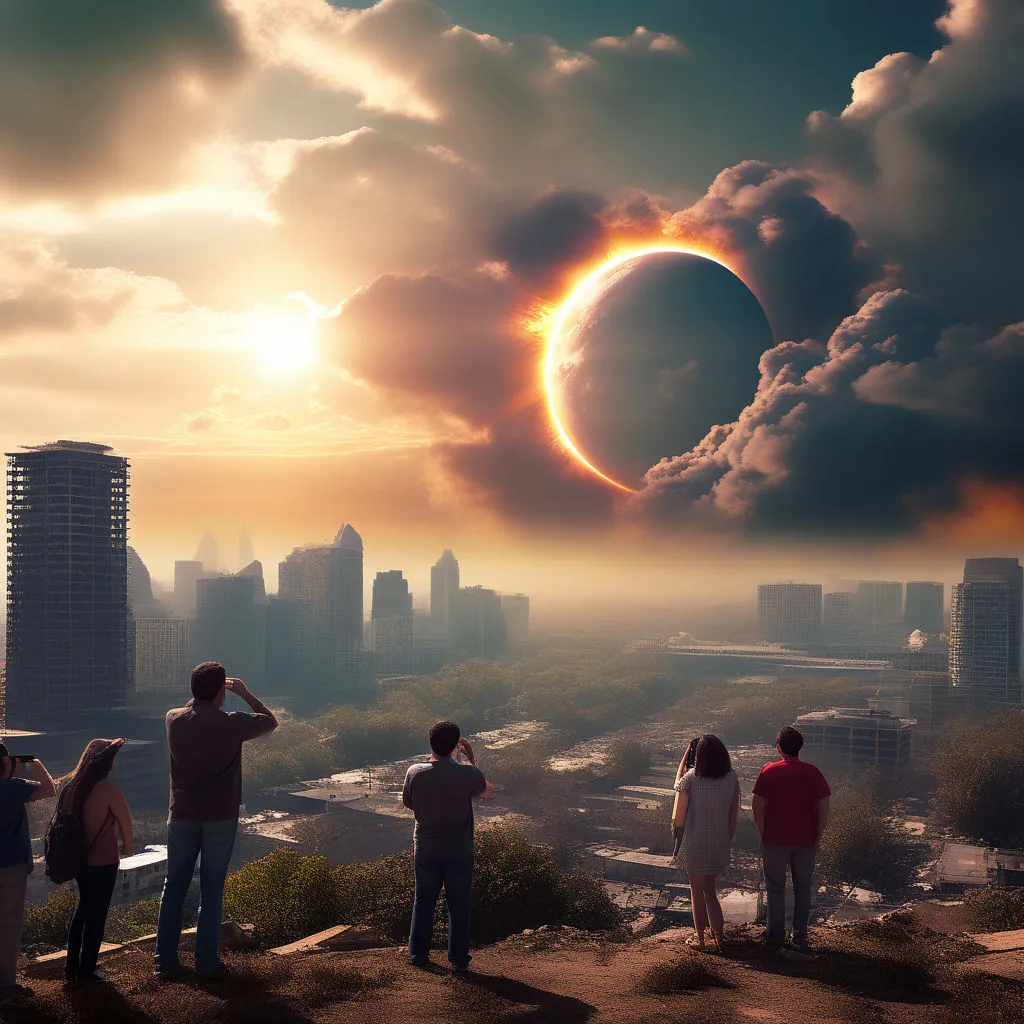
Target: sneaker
(175, 973)
(802, 945)
(94, 977)
(424, 963)
(218, 971)
(461, 969)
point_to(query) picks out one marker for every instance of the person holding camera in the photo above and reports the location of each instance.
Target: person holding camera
(22, 781)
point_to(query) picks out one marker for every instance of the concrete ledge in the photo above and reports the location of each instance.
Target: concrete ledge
(311, 941)
(1000, 942)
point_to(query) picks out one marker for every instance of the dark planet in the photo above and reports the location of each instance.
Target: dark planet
(649, 355)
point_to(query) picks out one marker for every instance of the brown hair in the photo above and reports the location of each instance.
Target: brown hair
(790, 741)
(713, 761)
(93, 766)
(208, 680)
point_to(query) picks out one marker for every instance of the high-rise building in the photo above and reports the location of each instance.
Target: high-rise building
(163, 660)
(231, 622)
(517, 619)
(985, 631)
(391, 624)
(444, 586)
(67, 584)
(880, 602)
(282, 646)
(478, 623)
(789, 613)
(326, 583)
(923, 609)
(839, 608)
(186, 575)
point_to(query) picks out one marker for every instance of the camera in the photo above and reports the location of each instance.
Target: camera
(24, 758)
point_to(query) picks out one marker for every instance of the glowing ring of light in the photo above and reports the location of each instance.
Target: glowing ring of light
(555, 336)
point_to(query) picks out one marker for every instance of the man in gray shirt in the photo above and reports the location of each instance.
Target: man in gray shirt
(440, 793)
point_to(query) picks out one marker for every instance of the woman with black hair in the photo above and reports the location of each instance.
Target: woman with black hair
(684, 766)
(100, 807)
(709, 806)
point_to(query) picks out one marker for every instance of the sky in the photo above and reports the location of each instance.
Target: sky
(302, 262)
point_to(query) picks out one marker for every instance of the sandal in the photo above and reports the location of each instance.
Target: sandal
(696, 941)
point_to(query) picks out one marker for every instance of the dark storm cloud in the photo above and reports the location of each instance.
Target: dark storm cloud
(927, 162)
(872, 433)
(557, 230)
(102, 96)
(803, 262)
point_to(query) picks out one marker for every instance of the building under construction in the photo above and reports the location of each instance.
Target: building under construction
(67, 584)
(860, 735)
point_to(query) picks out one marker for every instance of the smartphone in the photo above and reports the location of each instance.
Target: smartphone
(24, 758)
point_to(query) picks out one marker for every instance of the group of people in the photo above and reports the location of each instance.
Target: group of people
(790, 806)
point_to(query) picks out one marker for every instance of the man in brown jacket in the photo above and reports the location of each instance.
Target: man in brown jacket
(206, 789)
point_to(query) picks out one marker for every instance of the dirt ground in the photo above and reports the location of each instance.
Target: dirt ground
(562, 979)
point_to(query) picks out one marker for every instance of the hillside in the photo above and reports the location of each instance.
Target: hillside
(868, 974)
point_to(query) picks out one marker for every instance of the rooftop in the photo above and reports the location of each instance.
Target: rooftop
(87, 447)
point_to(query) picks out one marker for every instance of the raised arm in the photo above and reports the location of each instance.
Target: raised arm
(824, 808)
(37, 773)
(262, 719)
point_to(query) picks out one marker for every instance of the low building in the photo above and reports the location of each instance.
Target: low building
(861, 735)
(967, 866)
(141, 875)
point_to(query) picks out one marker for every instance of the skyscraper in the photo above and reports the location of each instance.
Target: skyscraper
(516, 608)
(839, 608)
(478, 623)
(985, 631)
(67, 583)
(163, 660)
(880, 602)
(789, 613)
(326, 584)
(923, 609)
(444, 586)
(231, 622)
(186, 575)
(391, 623)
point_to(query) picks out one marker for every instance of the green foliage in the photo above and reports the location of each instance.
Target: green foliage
(285, 896)
(356, 738)
(865, 844)
(132, 920)
(996, 909)
(46, 925)
(979, 771)
(294, 750)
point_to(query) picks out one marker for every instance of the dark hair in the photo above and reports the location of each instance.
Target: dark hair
(4, 753)
(712, 760)
(443, 737)
(789, 741)
(208, 680)
(93, 766)
(690, 757)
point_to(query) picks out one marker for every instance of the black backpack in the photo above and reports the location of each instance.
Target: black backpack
(64, 847)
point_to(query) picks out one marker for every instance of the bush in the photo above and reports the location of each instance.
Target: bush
(979, 770)
(46, 925)
(864, 844)
(628, 760)
(294, 750)
(285, 896)
(996, 909)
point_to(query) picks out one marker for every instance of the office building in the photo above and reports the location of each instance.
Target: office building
(859, 735)
(444, 587)
(985, 631)
(163, 660)
(282, 646)
(517, 619)
(391, 624)
(880, 602)
(789, 613)
(478, 623)
(326, 584)
(67, 584)
(187, 573)
(923, 608)
(839, 608)
(230, 624)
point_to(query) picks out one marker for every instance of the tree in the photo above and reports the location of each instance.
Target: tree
(979, 768)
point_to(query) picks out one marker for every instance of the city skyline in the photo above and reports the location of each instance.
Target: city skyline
(352, 273)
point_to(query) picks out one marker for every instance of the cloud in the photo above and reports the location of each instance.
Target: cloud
(875, 432)
(109, 96)
(926, 162)
(642, 40)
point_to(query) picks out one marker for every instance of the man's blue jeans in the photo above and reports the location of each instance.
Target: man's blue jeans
(453, 871)
(778, 860)
(211, 842)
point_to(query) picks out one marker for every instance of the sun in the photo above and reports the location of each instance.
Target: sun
(556, 323)
(285, 342)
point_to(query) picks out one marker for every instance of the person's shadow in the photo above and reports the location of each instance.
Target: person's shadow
(550, 1007)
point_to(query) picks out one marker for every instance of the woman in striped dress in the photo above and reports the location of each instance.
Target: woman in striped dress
(708, 807)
